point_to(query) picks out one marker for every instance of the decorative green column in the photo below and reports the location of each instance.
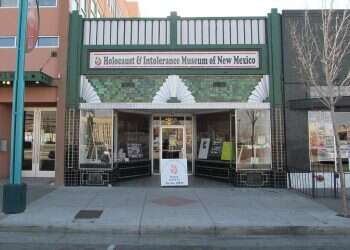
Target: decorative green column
(274, 33)
(14, 196)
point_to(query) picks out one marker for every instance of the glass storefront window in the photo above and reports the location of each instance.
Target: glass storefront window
(96, 133)
(322, 141)
(214, 141)
(253, 139)
(133, 137)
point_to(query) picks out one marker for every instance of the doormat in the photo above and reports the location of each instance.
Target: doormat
(88, 214)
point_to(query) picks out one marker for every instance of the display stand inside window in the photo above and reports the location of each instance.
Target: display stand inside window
(95, 147)
(132, 151)
(215, 146)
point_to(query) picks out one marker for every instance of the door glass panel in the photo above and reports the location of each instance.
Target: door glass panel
(156, 150)
(172, 143)
(47, 141)
(28, 141)
(188, 137)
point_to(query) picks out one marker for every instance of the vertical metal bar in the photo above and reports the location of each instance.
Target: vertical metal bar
(258, 25)
(18, 97)
(313, 184)
(188, 31)
(138, 32)
(159, 23)
(124, 38)
(230, 30)
(335, 184)
(202, 30)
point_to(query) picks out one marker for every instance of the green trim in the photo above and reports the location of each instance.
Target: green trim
(173, 29)
(74, 56)
(274, 34)
(29, 76)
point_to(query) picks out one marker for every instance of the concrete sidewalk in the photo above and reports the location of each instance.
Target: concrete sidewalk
(155, 210)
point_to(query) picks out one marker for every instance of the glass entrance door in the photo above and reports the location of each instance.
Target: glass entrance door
(39, 143)
(172, 143)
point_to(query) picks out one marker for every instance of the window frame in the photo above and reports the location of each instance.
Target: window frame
(7, 47)
(40, 6)
(43, 47)
(51, 6)
(10, 7)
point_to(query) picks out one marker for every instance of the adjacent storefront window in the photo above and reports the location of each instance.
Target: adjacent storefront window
(253, 139)
(214, 140)
(322, 141)
(133, 137)
(96, 133)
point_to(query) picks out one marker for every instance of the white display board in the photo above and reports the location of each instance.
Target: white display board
(204, 148)
(173, 172)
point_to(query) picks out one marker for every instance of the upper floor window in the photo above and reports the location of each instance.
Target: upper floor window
(47, 3)
(7, 42)
(8, 3)
(14, 3)
(47, 42)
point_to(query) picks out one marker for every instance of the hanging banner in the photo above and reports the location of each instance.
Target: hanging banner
(175, 59)
(33, 23)
(173, 172)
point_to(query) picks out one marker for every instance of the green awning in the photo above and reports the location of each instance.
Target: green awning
(31, 77)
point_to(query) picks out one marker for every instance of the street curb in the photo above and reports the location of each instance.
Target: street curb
(166, 230)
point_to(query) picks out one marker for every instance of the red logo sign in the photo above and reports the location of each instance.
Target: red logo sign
(98, 61)
(173, 169)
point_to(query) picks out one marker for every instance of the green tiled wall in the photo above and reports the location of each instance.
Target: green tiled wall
(143, 89)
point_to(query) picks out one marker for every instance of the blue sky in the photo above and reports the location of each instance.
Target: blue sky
(162, 8)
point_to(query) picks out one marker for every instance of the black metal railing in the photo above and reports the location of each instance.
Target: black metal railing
(318, 183)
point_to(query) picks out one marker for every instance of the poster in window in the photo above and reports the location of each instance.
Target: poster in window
(204, 148)
(134, 151)
(215, 150)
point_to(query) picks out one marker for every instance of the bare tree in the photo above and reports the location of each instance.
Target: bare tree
(322, 49)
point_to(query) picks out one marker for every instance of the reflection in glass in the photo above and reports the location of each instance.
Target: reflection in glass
(253, 139)
(47, 141)
(28, 140)
(172, 143)
(133, 137)
(96, 139)
(213, 137)
(321, 140)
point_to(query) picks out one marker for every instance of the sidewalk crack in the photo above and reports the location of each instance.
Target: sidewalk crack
(207, 212)
(142, 211)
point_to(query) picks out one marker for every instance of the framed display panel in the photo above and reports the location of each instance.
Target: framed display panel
(96, 139)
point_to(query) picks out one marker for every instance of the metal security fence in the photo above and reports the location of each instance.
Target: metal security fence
(318, 183)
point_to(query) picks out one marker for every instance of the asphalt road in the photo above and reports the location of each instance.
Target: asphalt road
(53, 241)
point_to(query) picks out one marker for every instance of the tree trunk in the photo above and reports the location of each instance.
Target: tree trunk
(344, 204)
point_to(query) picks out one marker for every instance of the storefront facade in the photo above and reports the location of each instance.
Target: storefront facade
(207, 91)
(310, 141)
